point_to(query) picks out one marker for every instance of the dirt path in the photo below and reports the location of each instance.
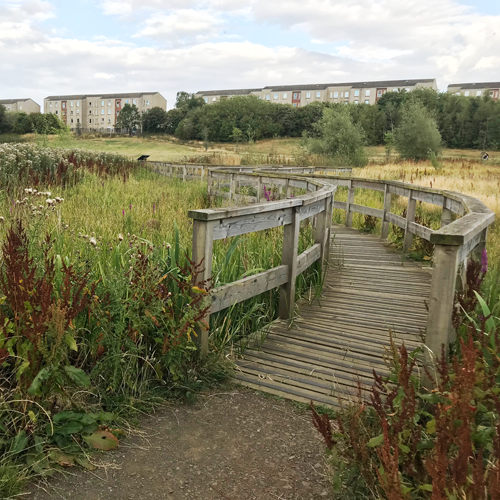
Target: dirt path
(235, 445)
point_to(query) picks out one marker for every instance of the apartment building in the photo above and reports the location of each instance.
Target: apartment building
(212, 96)
(301, 95)
(99, 112)
(476, 89)
(26, 105)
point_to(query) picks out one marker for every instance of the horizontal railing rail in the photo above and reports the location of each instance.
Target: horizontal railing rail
(304, 192)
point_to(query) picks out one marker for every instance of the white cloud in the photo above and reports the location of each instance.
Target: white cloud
(375, 39)
(184, 25)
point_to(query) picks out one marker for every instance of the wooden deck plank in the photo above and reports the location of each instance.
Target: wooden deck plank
(337, 341)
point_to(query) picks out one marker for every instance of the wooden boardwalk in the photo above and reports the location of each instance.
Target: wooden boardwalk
(340, 338)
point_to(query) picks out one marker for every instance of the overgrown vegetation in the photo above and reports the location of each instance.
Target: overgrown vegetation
(98, 308)
(429, 434)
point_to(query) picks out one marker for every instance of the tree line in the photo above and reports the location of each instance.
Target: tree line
(463, 122)
(19, 122)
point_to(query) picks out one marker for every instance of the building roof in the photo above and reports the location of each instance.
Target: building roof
(488, 85)
(13, 101)
(359, 85)
(228, 92)
(102, 96)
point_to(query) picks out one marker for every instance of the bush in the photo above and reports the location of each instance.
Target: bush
(418, 135)
(339, 138)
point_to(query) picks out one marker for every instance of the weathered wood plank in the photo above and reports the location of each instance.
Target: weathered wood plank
(308, 258)
(361, 209)
(233, 293)
(395, 219)
(419, 230)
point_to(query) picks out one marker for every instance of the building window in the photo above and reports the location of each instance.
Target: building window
(214, 99)
(77, 104)
(467, 93)
(109, 103)
(102, 120)
(56, 104)
(335, 95)
(342, 94)
(295, 96)
(126, 102)
(294, 104)
(308, 95)
(63, 105)
(379, 93)
(407, 90)
(117, 113)
(356, 102)
(356, 93)
(346, 94)
(102, 111)
(57, 112)
(78, 120)
(20, 107)
(133, 101)
(275, 96)
(102, 103)
(147, 102)
(71, 112)
(109, 120)
(367, 92)
(331, 95)
(394, 90)
(479, 93)
(109, 111)
(285, 95)
(71, 104)
(90, 120)
(206, 99)
(268, 97)
(90, 111)
(50, 105)
(90, 104)
(367, 102)
(71, 120)
(318, 95)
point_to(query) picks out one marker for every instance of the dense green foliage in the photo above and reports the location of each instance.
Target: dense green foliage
(23, 123)
(463, 122)
(339, 138)
(417, 137)
(129, 118)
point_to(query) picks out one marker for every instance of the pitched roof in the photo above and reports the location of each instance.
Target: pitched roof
(392, 83)
(228, 92)
(359, 85)
(102, 96)
(310, 86)
(13, 101)
(488, 85)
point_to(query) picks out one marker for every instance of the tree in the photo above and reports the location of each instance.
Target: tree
(338, 137)
(4, 120)
(154, 120)
(417, 137)
(187, 101)
(22, 123)
(129, 118)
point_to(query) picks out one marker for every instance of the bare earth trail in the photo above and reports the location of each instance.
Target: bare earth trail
(234, 445)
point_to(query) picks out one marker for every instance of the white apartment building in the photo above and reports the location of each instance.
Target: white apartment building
(476, 89)
(99, 112)
(26, 105)
(301, 95)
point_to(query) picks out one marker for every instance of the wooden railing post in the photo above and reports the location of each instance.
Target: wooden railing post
(387, 208)
(202, 254)
(231, 186)
(322, 230)
(171, 170)
(350, 201)
(184, 172)
(289, 258)
(209, 182)
(202, 173)
(410, 217)
(259, 190)
(446, 216)
(442, 299)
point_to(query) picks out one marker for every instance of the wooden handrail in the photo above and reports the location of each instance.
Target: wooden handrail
(453, 242)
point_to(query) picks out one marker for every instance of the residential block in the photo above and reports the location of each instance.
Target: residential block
(26, 105)
(476, 89)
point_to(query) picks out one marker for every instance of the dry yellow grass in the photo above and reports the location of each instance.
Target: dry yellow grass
(480, 180)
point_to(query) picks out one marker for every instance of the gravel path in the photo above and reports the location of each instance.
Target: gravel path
(234, 445)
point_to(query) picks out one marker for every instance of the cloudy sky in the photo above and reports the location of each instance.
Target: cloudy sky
(50, 47)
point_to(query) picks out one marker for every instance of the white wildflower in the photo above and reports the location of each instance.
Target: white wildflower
(120, 237)
(93, 241)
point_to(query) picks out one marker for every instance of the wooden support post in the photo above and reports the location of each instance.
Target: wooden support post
(350, 201)
(410, 217)
(288, 189)
(218, 185)
(289, 258)
(259, 190)
(477, 252)
(387, 208)
(442, 298)
(231, 186)
(202, 254)
(329, 217)
(171, 170)
(184, 172)
(209, 182)
(320, 231)
(445, 215)
(202, 173)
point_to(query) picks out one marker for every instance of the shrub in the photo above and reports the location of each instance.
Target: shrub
(418, 135)
(339, 138)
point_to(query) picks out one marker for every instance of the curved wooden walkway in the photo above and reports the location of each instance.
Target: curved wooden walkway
(340, 338)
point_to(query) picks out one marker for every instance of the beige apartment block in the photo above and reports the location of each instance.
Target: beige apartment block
(476, 89)
(25, 105)
(301, 95)
(212, 96)
(99, 112)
